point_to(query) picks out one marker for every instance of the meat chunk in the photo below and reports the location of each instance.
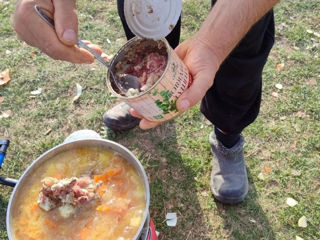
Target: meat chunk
(68, 191)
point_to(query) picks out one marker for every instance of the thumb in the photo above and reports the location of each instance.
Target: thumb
(66, 21)
(201, 83)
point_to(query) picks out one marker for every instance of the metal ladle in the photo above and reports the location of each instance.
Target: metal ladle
(123, 82)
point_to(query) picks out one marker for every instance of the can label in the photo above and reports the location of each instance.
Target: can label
(159, 102)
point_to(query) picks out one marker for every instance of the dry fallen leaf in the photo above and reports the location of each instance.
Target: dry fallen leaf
(1, 99)
(261, 176)
(298, 238)
(303, 222)
(275, 94)
(252, 220)
(313, 32)
(291, 202)
(79, 92)
(5, 114)
(295, 173)
(36, 92)
(312, 81)
(280, 66)
(294, 144)
(4, 77)
(279, 86)
(267, 169)
(301, 114)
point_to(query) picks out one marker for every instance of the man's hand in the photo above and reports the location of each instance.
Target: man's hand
(202, 64)
(59, 44)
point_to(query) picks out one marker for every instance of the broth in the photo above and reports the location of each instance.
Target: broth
(116, 214)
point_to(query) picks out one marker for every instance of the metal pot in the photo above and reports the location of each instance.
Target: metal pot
(71, 143)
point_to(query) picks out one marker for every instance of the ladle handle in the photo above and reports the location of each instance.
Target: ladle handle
(80, 43)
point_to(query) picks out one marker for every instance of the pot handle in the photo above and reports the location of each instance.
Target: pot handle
(8, 181)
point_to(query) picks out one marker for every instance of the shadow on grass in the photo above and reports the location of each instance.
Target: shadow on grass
(174, 189)
(246, 220)
(172, 184)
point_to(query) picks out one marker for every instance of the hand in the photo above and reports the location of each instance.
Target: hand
(59, 44)
(202, 64)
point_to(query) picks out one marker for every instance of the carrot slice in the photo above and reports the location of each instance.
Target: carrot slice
(34, 207)
(107, 175)
(103, 208)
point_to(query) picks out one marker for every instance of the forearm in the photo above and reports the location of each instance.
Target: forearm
(229, 21)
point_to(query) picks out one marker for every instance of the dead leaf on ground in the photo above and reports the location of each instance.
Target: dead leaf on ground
(79, 92)
(261, 176)
(36, 92)
(295, 173)
(302, 222)
(1, 99)
(291, 202)
(252, 220)
(294, 144)
(279, 86)
(267, 169)
(312, 82)
(4, 77)
(275, 94)
(299, 238)
(280, 66)
(301, 114)
(313, 32)
(5, 114)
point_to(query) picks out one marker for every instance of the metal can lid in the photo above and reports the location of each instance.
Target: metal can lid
(153, 19)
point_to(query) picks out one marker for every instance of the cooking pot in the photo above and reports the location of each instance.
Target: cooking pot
(82, 138)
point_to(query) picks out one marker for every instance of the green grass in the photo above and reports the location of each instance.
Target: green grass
(176, 155)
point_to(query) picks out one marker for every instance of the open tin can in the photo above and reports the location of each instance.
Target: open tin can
(158, 102)
(151, 21)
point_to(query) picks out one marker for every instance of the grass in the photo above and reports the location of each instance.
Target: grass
(283, 143)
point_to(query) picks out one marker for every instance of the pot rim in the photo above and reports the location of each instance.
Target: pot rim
(91, 142)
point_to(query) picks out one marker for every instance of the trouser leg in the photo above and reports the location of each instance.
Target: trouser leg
(233, 102)
(173, 38)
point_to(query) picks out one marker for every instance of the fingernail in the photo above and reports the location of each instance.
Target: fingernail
(184, 105)
(69, 35)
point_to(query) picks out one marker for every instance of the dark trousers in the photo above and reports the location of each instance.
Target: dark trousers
(233, 102)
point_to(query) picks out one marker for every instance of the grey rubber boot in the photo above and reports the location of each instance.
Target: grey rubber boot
(229, 180)
(119, 118)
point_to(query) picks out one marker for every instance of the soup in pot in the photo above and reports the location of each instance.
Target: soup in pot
(82, 194)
